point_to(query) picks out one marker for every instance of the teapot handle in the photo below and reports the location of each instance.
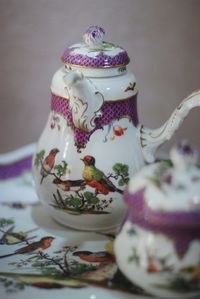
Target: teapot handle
(85, 100)
(150, 140)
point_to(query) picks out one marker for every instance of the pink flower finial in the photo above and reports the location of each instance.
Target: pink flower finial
(94, 36)
(183, 155)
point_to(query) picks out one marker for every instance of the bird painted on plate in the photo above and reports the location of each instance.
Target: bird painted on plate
(95, 257)
(95, 178)
(43, 243)
(11, 237)
(48, 164)
(68, 185)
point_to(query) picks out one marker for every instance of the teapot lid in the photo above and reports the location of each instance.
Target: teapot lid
(172, 185)
(94, 52)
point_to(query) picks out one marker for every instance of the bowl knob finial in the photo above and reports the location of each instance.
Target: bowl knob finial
(183, 155)
(93, 37)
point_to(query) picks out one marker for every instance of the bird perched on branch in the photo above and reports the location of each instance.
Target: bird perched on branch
(68, 185)
(95, 257)
(11, 237)
(95, 178)
(48, 164)
(43, 243)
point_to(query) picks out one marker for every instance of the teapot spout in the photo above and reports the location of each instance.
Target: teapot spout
(84, 99)
(151, 140)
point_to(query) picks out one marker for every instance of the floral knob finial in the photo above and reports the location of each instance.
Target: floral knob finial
(94, 36)
(183, 155)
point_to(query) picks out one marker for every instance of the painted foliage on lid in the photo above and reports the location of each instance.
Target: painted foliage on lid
(172, 185)
(95, 52)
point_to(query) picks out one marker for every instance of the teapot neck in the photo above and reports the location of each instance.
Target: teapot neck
(99, 72)
(111, 110)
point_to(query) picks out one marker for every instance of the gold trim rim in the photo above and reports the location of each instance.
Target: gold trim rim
(95, 67)
(106, 101)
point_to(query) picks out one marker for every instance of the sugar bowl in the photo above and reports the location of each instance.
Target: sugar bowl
(158, 247)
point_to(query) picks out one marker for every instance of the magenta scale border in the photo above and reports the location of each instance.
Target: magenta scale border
(100, 60)
(110, 111)
(15, 169)
(182, 227)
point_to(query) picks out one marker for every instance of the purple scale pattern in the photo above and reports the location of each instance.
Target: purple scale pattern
(100, 60)
(181, 227)
(15, 169)
(110, 111)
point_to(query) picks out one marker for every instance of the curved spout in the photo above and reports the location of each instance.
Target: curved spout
(85, 100)
(150, 140)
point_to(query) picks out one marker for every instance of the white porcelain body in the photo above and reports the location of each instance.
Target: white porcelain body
(150, 261)
(104, 145)
(102, 104)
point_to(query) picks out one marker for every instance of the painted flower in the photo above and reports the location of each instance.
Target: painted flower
(54, 120)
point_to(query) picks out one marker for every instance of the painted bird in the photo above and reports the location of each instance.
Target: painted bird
(95, 178)
(10, 237)
(48, 164)
(95, 257)
(43, 243)
(131, 86)
(68, 185)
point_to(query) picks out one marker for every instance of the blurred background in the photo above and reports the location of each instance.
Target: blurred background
(162, 39)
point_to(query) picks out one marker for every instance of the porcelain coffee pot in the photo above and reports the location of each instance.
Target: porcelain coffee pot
(92, 143)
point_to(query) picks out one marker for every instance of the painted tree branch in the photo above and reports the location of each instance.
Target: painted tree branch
(46, 257)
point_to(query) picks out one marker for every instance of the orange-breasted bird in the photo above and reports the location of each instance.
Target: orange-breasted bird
(43, 243)
(95, 178)
(95, 257)
(48, 163)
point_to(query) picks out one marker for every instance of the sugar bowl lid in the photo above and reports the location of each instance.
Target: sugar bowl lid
(94, 52)
(168, 191)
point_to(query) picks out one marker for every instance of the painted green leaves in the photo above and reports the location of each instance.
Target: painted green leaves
(122, 174)
(122, 69)
(61, 169)
(161, 173)
(39, 157)
(91, 198)
(108, 45)
(81, 203)
(6, 221)
(88, 194)
(57, 170)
